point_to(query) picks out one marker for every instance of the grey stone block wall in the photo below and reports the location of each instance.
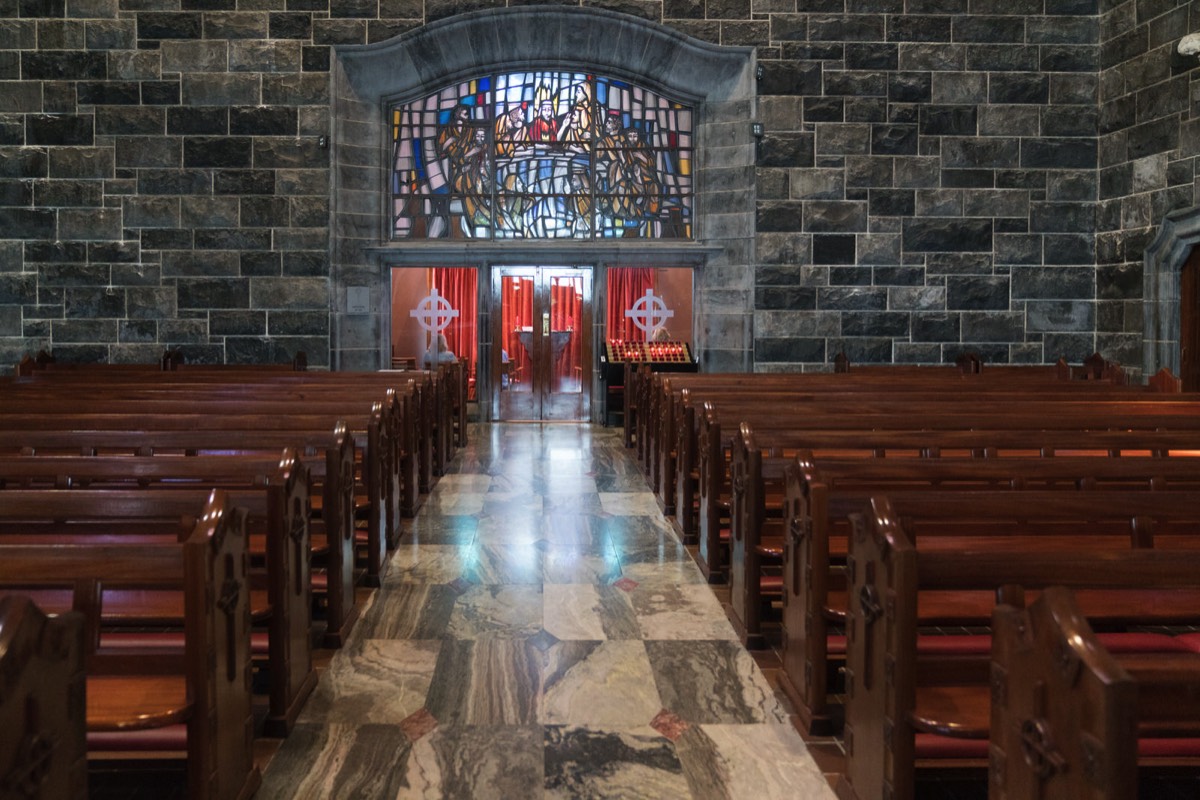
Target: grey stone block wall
(935, 176)
(1149, 141)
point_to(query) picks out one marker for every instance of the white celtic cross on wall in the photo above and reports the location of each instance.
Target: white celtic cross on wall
(433, 313)
(649, 313)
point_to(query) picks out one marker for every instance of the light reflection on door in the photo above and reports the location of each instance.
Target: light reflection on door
(542, 366)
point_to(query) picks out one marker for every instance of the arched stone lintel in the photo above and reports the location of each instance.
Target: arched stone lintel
(1163, 262)
(463, 46)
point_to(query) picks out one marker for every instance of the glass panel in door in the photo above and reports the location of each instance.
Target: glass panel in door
(543, 368)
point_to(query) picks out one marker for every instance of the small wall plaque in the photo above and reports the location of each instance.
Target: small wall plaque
(358, 300)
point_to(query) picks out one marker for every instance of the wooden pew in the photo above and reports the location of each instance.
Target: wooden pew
(913, 701)
(328, 453)
(676, 467)
(275, 505)
(821, 493)
(415, 392)
(407, 398)
(216, 402)
(43, 752)
(664, 404)
(902, 435)
(378, 498)
(1071, 719)
(197, 704)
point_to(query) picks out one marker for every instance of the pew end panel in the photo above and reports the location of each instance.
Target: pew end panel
(879, 760)
(756, 540)
(43, 752)
(337, 514)
(216, 573)
(713, 514)
(290, 590)
(808, 579)
(1063, 710)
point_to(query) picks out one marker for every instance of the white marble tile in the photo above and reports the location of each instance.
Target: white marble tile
(373, 681)
(496, 612)
(680, 611)
(588, 612)
(572, 531)
(428, 563)
(664, 574)
(428, 528)
(565, 565)
(506, 563)
(626, 504)
(766, 761)
(598, 685)
(454, 503)
(571, 503)
(500, 504)
(463, 482)
(511, 529)
(560, 482)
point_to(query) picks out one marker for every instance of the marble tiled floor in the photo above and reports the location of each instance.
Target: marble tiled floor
(543, 633)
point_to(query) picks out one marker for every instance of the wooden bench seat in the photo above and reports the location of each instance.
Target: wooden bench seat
(710, 494)
(280, 590)
(675, 397)
(678, 464)
(817, 507)
(378, 488)
(419, 409)
(206, 690)
(329, 455)
(894, 691)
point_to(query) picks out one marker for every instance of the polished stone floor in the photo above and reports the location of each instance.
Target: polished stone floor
(543, 633)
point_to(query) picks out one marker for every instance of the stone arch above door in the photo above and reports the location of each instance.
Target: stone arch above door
(719, 80)
(1164, 262)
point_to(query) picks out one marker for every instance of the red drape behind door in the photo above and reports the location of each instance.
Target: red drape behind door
(625, 286)
(458, 285)
(517, 305)
(567, 304)
(460, 288)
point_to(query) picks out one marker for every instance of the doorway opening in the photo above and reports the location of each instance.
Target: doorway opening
(434, 312)
(542, 320)
(1189, 322)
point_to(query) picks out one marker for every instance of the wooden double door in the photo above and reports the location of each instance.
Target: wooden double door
(542, 333)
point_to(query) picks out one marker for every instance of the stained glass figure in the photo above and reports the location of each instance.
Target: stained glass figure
(542, 155)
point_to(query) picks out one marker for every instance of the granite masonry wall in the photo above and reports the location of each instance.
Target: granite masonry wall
(1149, 141)
(935, 175)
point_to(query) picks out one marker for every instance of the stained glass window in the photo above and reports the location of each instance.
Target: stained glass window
(542, 155)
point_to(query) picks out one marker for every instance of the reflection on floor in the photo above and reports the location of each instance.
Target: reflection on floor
(543, 633)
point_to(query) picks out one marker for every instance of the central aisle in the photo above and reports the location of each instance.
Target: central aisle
(543, 633)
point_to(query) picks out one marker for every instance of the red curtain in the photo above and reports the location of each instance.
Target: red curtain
(625, 286)
(460, 288)
(566, 300)
(517, 305)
